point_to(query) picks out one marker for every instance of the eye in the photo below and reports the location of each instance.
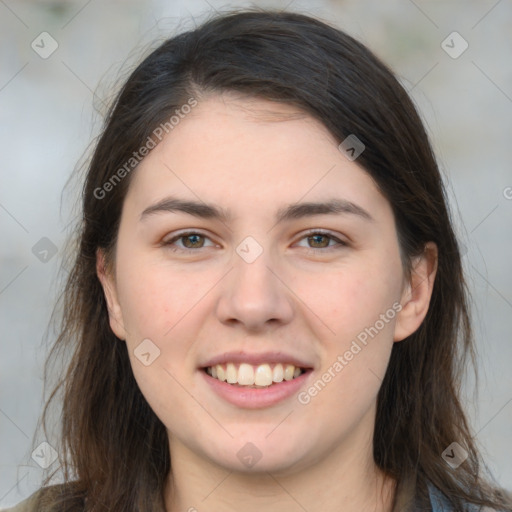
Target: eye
(321, 240)
(191, 240)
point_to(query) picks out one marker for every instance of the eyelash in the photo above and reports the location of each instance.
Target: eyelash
(316, 250)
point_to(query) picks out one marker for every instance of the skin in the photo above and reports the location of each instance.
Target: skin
(253, 157)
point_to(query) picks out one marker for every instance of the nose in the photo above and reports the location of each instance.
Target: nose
(254, 294)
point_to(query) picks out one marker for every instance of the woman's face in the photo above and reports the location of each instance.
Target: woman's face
(275, 283)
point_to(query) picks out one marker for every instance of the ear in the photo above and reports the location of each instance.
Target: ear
(105, 275)
(417, 292)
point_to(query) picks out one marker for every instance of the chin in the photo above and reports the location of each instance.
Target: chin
(262, 456)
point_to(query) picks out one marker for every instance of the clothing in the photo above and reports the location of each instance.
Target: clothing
(26, 505)
(438, 502)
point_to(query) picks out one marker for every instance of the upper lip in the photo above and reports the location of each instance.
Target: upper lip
(256, 359)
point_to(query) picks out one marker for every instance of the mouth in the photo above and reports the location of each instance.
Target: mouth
(251, 376)
(251, 380)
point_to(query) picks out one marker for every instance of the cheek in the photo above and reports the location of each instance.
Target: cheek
(349, 299)
(359, 305)
(155, 298)
(158, 304)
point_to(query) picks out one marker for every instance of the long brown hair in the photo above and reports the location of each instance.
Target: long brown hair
(113, 449)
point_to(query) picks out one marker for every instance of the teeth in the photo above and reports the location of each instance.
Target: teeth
(221, 374)
(263, 375)
(245, 375)
(288, 372)
(231, 373)
(248, 375)
(278, 373)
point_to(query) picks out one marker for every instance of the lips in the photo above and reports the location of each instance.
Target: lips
(255, 370)
(257, 397)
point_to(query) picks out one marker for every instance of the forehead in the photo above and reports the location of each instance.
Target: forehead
(250, 152)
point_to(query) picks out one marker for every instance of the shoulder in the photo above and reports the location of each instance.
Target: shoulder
(440, 502)
(27, 505)
(50, 498)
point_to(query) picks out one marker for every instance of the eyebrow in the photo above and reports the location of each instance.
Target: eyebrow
(289, 212)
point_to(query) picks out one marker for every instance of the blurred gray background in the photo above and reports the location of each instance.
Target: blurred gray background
(59, 61)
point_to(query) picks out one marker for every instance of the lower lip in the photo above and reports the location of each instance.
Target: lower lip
(254, 398)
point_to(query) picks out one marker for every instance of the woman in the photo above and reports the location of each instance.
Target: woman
(267, 309)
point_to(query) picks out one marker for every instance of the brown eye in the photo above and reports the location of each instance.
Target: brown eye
(316, 239)
(321, 241)
(194, 240)
(190, 241)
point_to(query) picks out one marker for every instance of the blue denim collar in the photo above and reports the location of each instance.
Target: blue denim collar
(440, 502)
(438, 499)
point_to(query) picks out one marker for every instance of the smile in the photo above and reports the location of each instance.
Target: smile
(262, 375)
